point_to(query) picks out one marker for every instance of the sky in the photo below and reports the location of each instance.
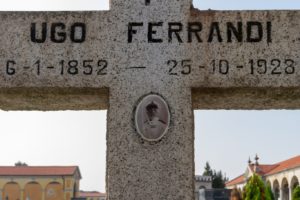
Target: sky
(224, 138)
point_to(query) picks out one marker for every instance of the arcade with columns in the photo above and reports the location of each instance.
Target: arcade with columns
(283, 177)
(39, 183)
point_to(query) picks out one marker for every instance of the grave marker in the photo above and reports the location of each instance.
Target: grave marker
(112, 59)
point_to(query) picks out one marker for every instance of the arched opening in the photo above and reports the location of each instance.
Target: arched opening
(202, 187)
(285, 189)
(54, 191)
(294, 182)
(11, 191)
(276, 189)
(33, 191)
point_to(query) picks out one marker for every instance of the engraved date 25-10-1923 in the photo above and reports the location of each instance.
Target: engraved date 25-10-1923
(275, 66)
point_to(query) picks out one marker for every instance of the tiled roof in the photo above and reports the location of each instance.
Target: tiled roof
(38, 170)
(263, 169)
(91, 194)
(235, 181)
(266, 170)
(285, 165)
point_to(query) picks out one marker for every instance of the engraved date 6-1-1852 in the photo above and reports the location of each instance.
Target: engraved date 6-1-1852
(61, 67)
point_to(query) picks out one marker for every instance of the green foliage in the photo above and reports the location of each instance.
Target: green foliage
(218, 179)
(257, 190)
(20, 164)
(296, 193)
(269, 193)
(244, 192)
(253, 190)
(207, 170)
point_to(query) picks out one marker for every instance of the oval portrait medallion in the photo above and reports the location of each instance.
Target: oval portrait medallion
(152, 117)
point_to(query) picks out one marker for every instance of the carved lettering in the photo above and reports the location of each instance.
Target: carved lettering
(58, 32)
(215, 32)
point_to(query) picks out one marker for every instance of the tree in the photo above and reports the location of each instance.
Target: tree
(218, 179)
(207, 170)
(269, 192)
(20, 164)
(296, 193)
(256, 189)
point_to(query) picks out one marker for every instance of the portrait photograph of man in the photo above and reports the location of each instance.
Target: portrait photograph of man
(152, 118)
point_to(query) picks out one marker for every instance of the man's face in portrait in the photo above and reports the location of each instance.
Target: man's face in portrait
(152, 110)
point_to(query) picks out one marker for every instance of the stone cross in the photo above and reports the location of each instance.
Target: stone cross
(150, 63)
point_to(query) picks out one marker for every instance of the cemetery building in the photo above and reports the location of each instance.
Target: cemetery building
(42, 183)
(202, 183)
(204, 190)
(283, 177)
(92, 195)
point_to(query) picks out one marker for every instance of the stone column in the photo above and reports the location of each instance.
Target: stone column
(290, 192)
(280, 194)
(22, 194)
(43, 193)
